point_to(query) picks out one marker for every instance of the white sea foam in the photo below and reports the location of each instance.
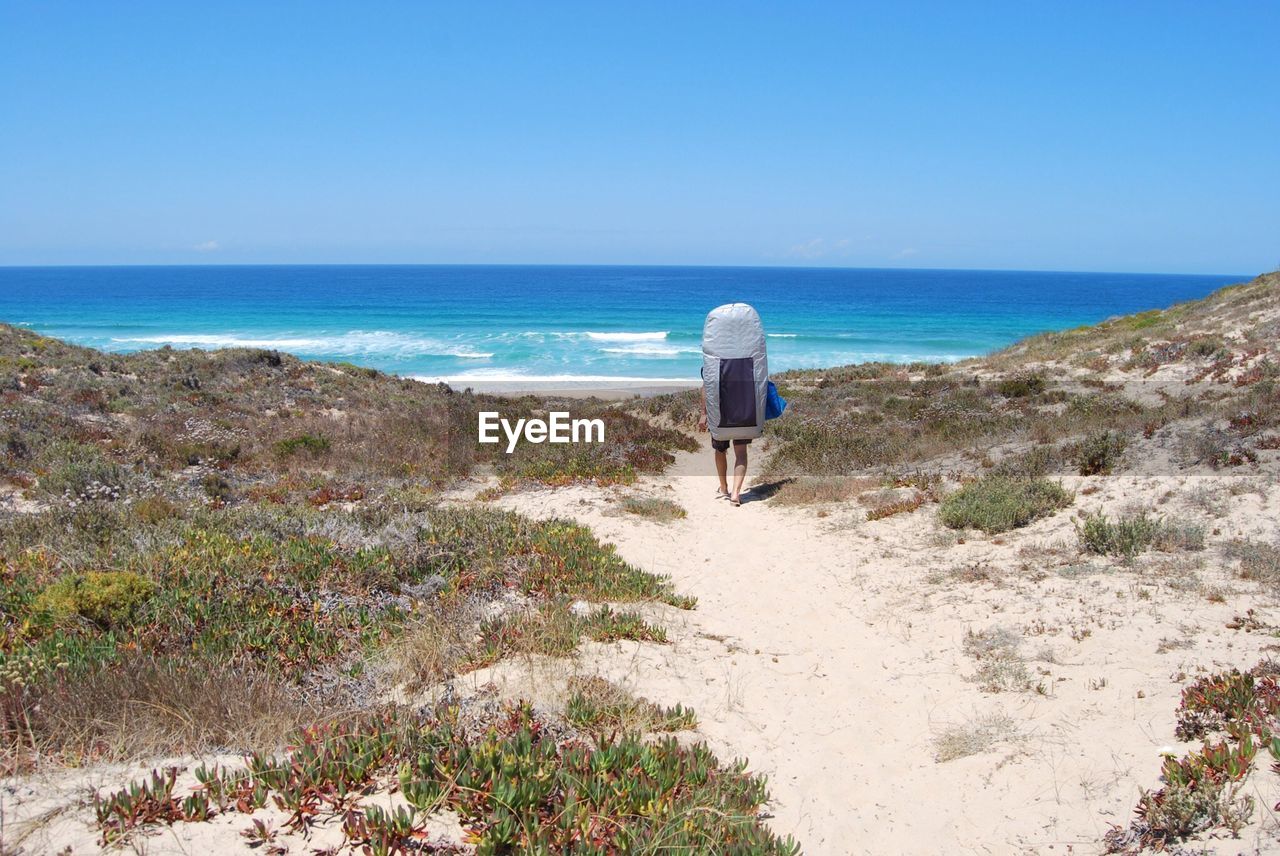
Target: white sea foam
(831, 359)
(643, 350)
(351, 343)
(508, 376)
(625, 337)
(589, 335)
(782, 335)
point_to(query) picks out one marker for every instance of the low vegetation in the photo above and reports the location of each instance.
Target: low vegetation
(296, 594)
(1100, 453)
(998, 503)
(220, 550)
(1257, 561)
(1234, 715)
(1132, 534)
(811, 490)
(520, 784)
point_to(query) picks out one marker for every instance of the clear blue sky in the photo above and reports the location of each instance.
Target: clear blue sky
(1127, 136)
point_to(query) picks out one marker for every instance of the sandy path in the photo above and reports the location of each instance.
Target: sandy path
(819, 653)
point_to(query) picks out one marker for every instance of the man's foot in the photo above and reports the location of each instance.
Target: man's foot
(735, 501)
(721, 493)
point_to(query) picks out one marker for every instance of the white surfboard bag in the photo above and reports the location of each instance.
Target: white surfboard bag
(735, 372)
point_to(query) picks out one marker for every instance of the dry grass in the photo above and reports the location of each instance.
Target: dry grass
(1258, 561)
(974, 737)
(434, 645)
(1001, 667)
(892, 502)
(974, 572)
(653, 508)
(144, 707)
(814, 490)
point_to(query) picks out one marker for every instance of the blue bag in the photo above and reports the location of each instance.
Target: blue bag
(774, 404)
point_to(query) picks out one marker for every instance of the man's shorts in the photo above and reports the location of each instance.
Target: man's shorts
(723, 445)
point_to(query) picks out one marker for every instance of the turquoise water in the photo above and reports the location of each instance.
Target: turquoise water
(568, 323)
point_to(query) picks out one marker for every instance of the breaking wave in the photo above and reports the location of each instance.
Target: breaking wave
(355, 343)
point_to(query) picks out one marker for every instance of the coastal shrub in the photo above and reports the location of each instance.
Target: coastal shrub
(1207, 347)
(80, 473)
(997, 503)
(609, 625)
(154, 509)
(1216, 702)
(1216, 447)
(681, 408)
(359, 371)
(1021, 385)
(552, 630)
(1132, 534)
(312, 444)
(891, 504)
(1181, 809)
(1125, 538)
(1099, 453)
(634, 445)
(1179, 535)
(219, 455)
(109, 599)
(1033, 464)
(217, 488)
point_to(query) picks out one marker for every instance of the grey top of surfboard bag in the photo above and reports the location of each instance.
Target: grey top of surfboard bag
(735, 372)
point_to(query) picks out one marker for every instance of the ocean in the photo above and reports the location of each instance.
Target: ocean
(572, 323)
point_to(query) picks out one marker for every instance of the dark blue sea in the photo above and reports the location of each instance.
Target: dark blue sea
(506, 323)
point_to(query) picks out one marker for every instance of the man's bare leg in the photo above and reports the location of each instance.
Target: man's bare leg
(739, 470)
(722, 470)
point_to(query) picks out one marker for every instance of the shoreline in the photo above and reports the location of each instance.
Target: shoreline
(613, 390)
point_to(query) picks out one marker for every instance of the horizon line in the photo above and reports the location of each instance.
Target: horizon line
(611, 265)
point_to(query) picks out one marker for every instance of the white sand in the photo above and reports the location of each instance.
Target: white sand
(821, 651)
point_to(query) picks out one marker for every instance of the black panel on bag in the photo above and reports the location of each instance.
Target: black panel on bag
(737, 393)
